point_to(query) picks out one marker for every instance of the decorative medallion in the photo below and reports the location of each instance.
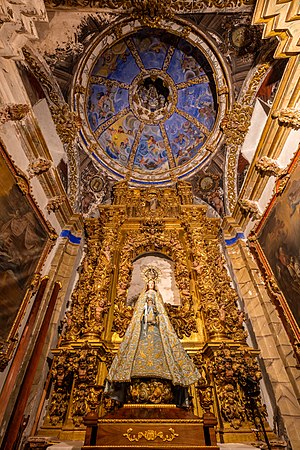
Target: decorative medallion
(151, 106)
(241, 36)
(206, 183)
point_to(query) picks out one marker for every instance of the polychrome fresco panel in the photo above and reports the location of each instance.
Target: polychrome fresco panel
(151, 153)
(152, 50)
(117, 63)
(197, 100)
(185, 139)
(184, 67)
(104, 102)
(117, 140)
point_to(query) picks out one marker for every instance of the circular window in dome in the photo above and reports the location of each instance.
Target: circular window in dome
(150, 106)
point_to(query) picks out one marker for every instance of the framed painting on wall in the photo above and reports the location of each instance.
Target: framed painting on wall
(278, 248)
(25, 240)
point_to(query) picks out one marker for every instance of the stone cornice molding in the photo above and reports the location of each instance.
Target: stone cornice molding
(17, 25)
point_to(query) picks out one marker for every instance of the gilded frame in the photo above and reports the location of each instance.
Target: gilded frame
(20, 220)
(274, 244)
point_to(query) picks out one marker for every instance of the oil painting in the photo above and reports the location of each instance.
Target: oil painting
(23, 241)
(279, 240)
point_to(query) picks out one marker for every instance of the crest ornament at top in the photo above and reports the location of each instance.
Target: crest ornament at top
(151, 273)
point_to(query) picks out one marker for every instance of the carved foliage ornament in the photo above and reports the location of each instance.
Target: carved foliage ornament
(218, 300)
(150, 435)
(236, 374)
(79, 368)
(13, 112)
(236, 126)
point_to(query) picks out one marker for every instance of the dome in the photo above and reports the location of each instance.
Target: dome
(149, 107)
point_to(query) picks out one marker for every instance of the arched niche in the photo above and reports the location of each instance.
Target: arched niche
(166, 285)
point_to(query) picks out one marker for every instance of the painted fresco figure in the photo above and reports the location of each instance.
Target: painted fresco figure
(151, 349)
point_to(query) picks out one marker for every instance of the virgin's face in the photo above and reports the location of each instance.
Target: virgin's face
(151, 284)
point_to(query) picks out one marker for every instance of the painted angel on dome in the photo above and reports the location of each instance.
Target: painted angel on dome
(151, 350)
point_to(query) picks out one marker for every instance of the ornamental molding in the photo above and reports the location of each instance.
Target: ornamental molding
(151, 10)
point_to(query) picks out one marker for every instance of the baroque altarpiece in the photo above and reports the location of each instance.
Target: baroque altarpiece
(165, 223)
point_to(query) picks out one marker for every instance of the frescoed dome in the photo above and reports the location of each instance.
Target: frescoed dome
(150, 107)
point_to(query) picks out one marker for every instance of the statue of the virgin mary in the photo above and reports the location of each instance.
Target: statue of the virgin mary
(151, 348)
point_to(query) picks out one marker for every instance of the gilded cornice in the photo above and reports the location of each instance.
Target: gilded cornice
(280, 19)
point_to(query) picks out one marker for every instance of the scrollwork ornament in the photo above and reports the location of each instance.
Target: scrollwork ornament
(6, 350)
(281, 184)
(236, 124)
(23, 184)
(61, 372)
(139, 8)
(237, 376)
(150, 435)
(79, 404)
